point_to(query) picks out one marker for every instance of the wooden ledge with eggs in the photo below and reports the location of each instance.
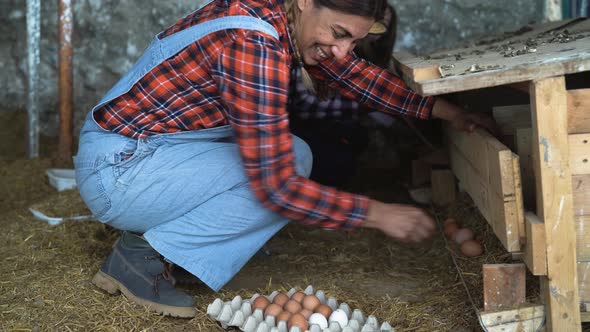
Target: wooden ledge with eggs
(293, 311)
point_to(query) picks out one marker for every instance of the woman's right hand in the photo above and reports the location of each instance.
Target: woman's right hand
(404, 223)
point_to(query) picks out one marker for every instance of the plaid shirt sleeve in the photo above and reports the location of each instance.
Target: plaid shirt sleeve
(373, 86)
(253, 78)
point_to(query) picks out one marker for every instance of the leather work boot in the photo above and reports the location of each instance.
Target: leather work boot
(136, 270)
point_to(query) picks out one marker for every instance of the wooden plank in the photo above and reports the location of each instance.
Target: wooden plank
(581, 193)
(535, 251)
(585, 316)
(486, 64)
(504, 286)
(518, 199)
(579, 148)
(583, 269)
(491, 159)
(578, 110)
(443, 187)
(582, 224)
(510, 118)
(417, 71)
(528, 317)
(554, 202)
(499, 212)
(524, 151)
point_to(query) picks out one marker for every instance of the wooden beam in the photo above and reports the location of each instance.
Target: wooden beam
(554, 202)
(583, 269)
(526, 318)
(412, 66)
(500, 212)
(510, 118)
(524, 151)
(535, 250)
(579, 153)
(578, 110)
(518, 199)
(581, 193)
(491, 159)
(582, 224)
(504, 286)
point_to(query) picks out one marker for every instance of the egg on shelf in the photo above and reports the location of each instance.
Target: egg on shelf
(462, 235)
(298, 296)
(285, 315)
(261, 302)
(324, 309)
(318, 319)
(450, 220)
(340, 317)
(306, 312)
(292, 306)
(273, 309)
(281, 299)
(450, 229)
(471, 248)
(310, 302)
(298, 320)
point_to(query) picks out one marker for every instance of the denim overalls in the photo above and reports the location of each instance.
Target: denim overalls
(186, 192)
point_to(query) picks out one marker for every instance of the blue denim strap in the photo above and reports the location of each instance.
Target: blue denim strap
(161, 49)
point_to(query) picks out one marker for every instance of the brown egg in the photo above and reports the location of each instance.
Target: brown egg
(310, 302)
(450, 230)
(463, 235)
(281, 299)
(306, 313)
(260, 302)
(471, 248)
(285, 315)
(298, 320)
(292, 306)
(298, 296)
(450, 220)
(324, 309)
(273, 309)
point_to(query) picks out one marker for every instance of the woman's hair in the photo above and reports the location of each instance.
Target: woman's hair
(378, 48)
(367, 8)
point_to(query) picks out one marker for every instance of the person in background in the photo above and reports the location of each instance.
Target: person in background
(190, 153)
(329, 122)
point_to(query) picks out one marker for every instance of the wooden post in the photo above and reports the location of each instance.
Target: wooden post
(65, 25)
(554, 202)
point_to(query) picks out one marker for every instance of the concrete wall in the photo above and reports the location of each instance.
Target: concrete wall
(110, 34)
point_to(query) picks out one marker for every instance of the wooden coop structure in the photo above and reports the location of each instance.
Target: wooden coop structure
(548, 165)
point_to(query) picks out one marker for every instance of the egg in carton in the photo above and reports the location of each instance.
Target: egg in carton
(241, 314)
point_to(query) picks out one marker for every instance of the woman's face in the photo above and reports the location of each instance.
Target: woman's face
(323, 33)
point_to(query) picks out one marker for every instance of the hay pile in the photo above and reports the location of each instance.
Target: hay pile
(46, 271)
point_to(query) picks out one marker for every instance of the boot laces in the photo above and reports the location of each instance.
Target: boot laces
(166, 274)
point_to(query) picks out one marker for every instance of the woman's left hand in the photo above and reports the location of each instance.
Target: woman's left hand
(461, 120)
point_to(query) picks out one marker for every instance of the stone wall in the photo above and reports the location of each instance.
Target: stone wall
(110, 34)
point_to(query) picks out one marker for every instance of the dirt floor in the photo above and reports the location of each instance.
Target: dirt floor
(46, 270)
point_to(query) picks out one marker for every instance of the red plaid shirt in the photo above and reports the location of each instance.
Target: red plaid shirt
(242, 78)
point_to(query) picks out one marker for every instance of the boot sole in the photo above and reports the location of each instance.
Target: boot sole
(113, 287)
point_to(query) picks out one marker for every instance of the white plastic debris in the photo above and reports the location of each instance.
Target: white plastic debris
(61, 179)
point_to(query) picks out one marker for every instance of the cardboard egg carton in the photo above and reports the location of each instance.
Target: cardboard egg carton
(238, 313)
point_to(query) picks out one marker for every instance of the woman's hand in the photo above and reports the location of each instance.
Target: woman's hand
(461, 120)
(404, 223)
